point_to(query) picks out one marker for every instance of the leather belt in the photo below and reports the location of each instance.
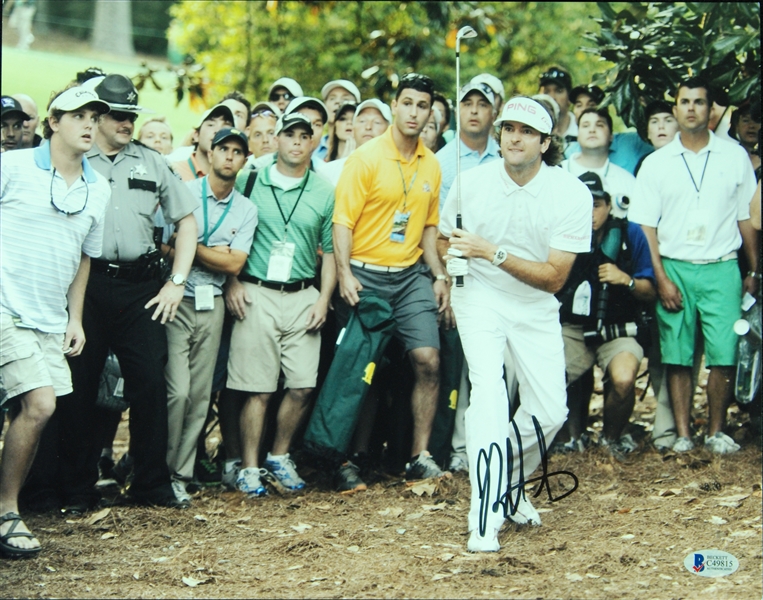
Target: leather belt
(297, 286)
(377, 268)
(114, 269)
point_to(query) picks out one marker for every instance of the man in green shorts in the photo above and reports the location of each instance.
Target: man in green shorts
(691, 199)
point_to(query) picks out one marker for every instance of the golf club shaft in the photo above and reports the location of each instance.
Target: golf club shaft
(459, 223)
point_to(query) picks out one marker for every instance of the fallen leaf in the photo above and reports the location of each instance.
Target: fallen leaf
(432, 507)
(623, 511)
(99, 516)
(668, 577)
(413, 516)
(446, 556)
(324, 506)
(294, 567)
(743, 534)
(732, 501)
(160, 559)
(424, 487)
(668, 493)
(401, 531)
(51, 569)
(544, 510)
(319, 579)
(353, 548)
(200, 518)
(716, 520)
(108, 535)
(244, 519)
(136, 576)
(192, 581)
(573, 576)
(438, 576)
(301, 527)
(396, 511)
(627, 536)
(592, 576)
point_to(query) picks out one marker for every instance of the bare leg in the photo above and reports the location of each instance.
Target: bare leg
(252, 424)
(291, 413)
(720, 387)
(679, 385)
(426, 369)
(618, 405)
(19, 449)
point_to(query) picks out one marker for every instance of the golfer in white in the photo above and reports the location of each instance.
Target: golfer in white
(523, 222)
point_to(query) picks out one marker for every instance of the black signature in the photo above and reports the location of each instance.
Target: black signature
(504, 500)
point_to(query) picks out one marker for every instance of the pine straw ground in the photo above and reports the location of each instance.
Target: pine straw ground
(623, 534)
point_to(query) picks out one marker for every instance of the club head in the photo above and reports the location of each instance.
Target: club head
(466, 32)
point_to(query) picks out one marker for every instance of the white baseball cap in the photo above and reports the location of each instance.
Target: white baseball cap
(526, 111)
(385, 110)
(480, 87)
(308, 102)
(340, 83)
(287, 121)
(287, 82)
(77, 97)
(493, 81)
(266, 106)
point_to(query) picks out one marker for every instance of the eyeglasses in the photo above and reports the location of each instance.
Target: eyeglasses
(68, 213)
(263, 113)
(275, 96)
(374, 121)
(123, 116)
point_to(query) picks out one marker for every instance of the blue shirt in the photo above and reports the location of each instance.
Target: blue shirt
(469, 158)
(322, 151)
(626, 150)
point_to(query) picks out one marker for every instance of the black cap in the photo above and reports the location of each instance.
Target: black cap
(557, 75)
(12, 106)
(594, 91)
(230, 132)
(120, 93)
(593, 182)
(657, 107)
(289, 120)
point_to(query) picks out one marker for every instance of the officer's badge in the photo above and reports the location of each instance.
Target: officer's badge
(140, 170)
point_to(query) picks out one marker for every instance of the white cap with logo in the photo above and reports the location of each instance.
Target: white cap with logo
(528, 112)
(340, 83)
(77, 97)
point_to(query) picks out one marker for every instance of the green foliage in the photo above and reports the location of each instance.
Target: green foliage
(248, 45)
(654, 45)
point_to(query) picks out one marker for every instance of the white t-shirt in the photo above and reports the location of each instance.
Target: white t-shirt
(41, 247)
(285, 182)
(331, 171)
(695, 199)
(554, 210)
(617, 182)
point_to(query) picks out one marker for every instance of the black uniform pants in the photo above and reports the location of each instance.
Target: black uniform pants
(114, 318)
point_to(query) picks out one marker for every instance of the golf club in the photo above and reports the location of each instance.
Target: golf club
(464, 32)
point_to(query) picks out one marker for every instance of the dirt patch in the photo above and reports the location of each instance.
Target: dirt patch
(624, 533)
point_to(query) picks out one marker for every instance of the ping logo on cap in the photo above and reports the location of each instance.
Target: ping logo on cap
(7, 101)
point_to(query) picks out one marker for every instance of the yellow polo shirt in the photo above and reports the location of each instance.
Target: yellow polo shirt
(370, 191)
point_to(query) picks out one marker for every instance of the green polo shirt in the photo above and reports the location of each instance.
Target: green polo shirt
(309, 227)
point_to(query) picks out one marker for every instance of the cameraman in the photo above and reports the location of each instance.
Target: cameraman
(600, 306)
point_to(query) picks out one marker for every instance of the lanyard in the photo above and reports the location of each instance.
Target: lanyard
(407, 189)
(193, 169)
(278, 204)
(206, 216)
(702, 178)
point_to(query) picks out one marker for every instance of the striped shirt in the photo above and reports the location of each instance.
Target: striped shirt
(40, 246)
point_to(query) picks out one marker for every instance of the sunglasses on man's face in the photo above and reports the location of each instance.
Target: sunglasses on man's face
(123, 116)
(276, 96)
(263, 113)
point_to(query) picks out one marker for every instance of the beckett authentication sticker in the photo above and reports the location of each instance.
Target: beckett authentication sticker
(711, 563)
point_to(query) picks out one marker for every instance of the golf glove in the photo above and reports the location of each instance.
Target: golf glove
(457, 267)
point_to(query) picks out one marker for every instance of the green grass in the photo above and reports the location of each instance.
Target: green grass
(38, 73)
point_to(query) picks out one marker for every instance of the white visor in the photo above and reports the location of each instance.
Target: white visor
(528, 112)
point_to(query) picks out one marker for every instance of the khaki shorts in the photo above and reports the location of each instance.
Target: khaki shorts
(579, 357)
(31, 359)
(272, 338)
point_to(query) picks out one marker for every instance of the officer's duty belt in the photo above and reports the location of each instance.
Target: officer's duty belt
(281, 287)
(114, 269)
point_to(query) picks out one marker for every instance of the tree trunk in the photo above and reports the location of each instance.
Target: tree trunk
(112, 28)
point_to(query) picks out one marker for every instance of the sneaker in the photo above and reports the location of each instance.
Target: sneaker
(525, 512)
(720, 443)
(486, 543)
(620, 448)
(249, 482)
(423, 466)
(285, 473)
(573, 445)
(122, 471)
(683, 444)
(347, 478)
(105, 473)
(178, 487)
(230, 474)
(160, 497)
(208, 472)
(458, 462)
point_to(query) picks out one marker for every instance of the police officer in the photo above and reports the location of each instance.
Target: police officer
(126, 305)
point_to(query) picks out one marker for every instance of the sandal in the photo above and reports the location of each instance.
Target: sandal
(13, 551)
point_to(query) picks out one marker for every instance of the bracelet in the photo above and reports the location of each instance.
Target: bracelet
(753, 274)
(442, 277)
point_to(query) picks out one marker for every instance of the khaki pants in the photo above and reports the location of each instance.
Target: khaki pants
(193, 340)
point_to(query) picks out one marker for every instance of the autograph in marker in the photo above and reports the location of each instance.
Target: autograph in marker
(504, 500)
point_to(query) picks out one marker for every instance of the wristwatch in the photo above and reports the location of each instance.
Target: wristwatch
(178, 279)
(500, 256)
(442, 277)
(632, 284)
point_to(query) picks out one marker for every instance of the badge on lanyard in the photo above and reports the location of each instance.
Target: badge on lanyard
(204, 297)
(399, 225)
(281, 261)
(696, 228)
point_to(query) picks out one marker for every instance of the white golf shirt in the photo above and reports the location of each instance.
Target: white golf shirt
(617, 182)
(695, 199)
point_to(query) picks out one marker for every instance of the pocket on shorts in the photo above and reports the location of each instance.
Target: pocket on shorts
(11, 351)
